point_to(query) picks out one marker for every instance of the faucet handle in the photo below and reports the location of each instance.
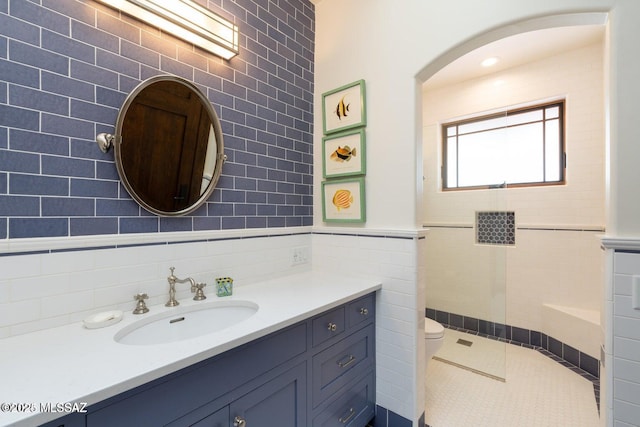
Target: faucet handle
(141, 307)
(199, 289)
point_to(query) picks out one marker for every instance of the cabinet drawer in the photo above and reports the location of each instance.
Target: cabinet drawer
(328, 325)
(361, 310)
(352, 408)
(341, 363)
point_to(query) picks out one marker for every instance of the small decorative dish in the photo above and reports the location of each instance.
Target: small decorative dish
(102, 320)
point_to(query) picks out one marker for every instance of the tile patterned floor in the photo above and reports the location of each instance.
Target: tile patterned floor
(538, 392)
(484, 355)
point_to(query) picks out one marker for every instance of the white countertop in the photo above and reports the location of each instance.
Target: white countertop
(74, 364)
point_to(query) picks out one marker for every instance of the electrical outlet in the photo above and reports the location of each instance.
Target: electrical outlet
(299, 255)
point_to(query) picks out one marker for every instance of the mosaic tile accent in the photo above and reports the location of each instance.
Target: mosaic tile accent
(65, 70)
(496, 228)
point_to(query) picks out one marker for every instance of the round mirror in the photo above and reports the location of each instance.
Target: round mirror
(168, 146)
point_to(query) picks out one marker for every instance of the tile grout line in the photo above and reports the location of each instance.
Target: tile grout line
(584, 374)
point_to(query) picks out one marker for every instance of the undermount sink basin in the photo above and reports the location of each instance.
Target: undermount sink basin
(182, 323)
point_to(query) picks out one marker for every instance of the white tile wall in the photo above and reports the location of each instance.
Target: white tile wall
(576, 76)
(45, 290)
(625, 360)
(41, 291)
(392, 258)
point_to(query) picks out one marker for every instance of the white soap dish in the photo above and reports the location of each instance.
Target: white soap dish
(104, 319)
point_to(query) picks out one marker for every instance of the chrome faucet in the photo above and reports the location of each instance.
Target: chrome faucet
(172, 279)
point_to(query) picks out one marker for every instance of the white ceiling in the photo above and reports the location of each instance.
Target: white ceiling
(516, 50)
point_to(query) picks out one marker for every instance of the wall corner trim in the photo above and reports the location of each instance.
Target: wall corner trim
(621, 243)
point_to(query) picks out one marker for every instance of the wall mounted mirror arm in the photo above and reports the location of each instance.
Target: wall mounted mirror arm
(168, 146)
(105, 141)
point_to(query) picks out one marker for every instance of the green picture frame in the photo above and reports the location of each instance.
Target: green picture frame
(343, 201)
(344, 108)
(344, 154)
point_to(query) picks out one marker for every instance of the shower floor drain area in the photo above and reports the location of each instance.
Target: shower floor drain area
(464, 342)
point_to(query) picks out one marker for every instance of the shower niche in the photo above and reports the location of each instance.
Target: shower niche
(496, 228)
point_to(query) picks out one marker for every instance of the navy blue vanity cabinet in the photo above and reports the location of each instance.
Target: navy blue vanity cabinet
(343, 366)
(353, 408)
(342, 363)
(361, 311)
(328, 326)
(275, 399)
(220, 418)
(317, 373)
(280, 402)
(71, 420)
(201, 390)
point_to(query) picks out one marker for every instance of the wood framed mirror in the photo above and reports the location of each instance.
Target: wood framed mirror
(168, 146)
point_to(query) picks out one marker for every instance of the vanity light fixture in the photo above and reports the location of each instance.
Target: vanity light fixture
(186, 20)
(489, 62)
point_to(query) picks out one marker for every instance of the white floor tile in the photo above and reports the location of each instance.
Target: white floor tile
(538, 392)
(484, 355)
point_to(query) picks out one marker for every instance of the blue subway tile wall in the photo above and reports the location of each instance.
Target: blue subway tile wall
(67, 67)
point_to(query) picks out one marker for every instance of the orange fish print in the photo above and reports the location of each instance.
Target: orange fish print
(343, 154)
(342, 199)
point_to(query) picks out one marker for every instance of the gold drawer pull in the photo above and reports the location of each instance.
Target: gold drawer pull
(349, 361)
(332, 327)
(345, 419)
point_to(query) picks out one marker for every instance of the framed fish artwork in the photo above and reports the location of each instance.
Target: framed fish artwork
(343, 154)
(344, 108)
(343, 200)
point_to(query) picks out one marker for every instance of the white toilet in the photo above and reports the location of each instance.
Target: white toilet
(433, 337)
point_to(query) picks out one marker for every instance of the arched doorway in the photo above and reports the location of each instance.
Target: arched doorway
(546, 23)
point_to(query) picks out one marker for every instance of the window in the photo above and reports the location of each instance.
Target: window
(522, 147)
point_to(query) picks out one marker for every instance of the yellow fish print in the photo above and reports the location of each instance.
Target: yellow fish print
(342, 199)
(343, 154)
(341, 109)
